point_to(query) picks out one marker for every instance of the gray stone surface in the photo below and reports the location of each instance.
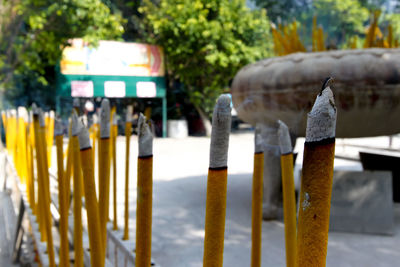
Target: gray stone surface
(7, 229)
(362, 202)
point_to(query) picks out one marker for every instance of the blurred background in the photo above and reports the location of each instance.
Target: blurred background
(171, 59)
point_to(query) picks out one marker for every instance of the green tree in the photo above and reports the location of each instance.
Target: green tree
(206, 42)
(34, 32)
(283, 11)
(339, 20)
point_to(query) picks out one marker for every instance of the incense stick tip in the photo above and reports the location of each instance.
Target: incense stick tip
(221, 126)
(41, 118)
(129, 112)
(35, 110)
(23, 113)
(83, 136)
(327, 82)
(321, 121)
(285, 143)
(105, 118)
(74, 123)
(224, 103)
(258, 140)
(58, 127)
(145, 137)
(76, 103)
(95, 119)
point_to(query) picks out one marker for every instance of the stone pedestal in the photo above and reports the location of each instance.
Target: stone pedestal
(362, 202)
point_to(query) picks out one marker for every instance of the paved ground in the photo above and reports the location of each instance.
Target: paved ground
(180, 177)
(7, 221)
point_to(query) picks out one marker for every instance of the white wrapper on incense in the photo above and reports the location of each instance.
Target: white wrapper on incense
(321, 121)
(145, 137)
(284, 138)
(105, 119)
(221, 126)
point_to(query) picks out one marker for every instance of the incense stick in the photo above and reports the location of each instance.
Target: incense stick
(92, 209)
(77, 170)
(144, 194)
(216, 184)
(104, 170)
(114, 158)
(128, 129)
(316, 184)
(257, 194)
(62, 198)
(289, 202)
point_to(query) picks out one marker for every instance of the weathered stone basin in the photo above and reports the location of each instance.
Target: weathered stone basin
(366, 88)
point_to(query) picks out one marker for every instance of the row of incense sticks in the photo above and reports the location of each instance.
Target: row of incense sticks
(27, 140)
(306, 240)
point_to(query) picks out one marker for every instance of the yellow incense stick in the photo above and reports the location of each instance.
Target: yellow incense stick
(31, 177)
(104, 174)
(256, 206)
(68, 169)
(128, 129)
(50, 136)
(289, 202)
(216, 184)
(78, 242)
(43, 181)
(92, 208)
(114, 160)
(144, 194)
(62, 197)
(316, 184)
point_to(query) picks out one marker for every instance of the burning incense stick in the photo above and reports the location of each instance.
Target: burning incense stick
(257, 194)
(62, 198)
(144, 194)
(44, 204)
(289, 202)
(31, 176)
(114, 130)
(78, 242)
(92, 209)
(104, 170)
(316, 184)
(128, 129)
(216, 184)
(50, 136)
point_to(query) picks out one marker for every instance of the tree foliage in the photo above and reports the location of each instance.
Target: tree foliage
(341, 19)
(283, 11)
(33, 33)
(206, 42)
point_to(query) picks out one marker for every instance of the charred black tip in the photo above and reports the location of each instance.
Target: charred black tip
(326, 83)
